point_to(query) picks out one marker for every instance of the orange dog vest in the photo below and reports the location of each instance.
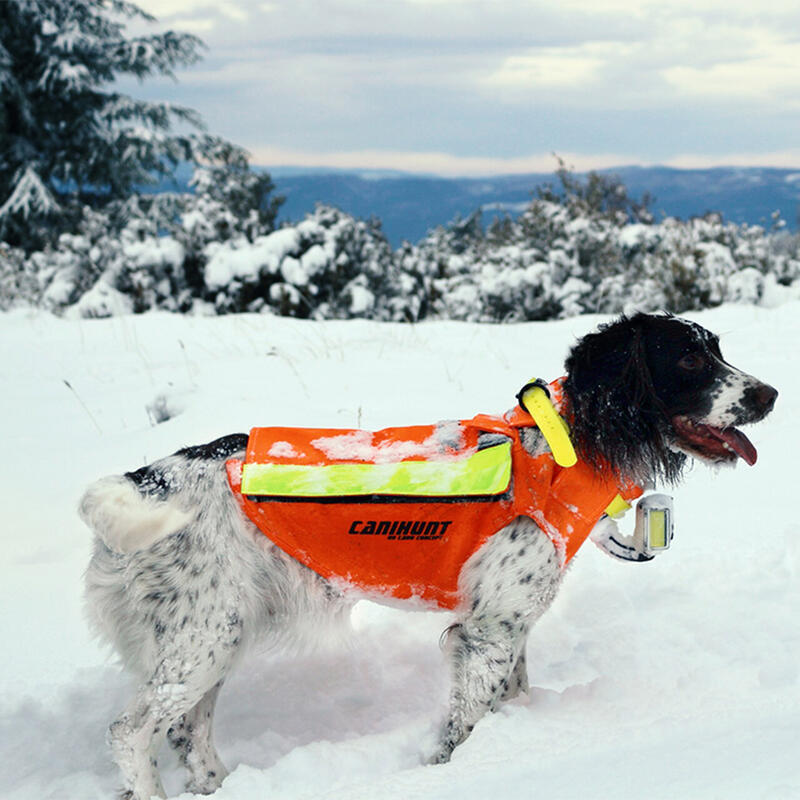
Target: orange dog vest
(397, 512)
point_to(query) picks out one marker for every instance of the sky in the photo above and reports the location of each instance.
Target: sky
(474, 87)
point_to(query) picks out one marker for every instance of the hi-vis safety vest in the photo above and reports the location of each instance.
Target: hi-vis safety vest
(397, 512)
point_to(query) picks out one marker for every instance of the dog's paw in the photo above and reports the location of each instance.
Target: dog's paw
(210, 782)
(440, 756)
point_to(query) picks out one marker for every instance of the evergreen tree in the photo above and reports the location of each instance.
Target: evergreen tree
(597, 195)
(67, 138)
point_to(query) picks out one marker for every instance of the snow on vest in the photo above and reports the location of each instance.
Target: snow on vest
(398, 512)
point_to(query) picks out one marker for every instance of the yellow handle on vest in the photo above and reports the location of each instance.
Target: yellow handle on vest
(536, 401)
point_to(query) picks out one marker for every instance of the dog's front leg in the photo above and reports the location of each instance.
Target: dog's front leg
(518, 680)
(506, 586)
(482, 657)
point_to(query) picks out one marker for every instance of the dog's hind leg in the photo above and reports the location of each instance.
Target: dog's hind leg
(191, 737)
(178, 686)
(506, 586)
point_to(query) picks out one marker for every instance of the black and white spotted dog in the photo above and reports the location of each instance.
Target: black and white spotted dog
(180, 580)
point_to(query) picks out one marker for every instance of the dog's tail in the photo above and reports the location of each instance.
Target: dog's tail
(124, 519)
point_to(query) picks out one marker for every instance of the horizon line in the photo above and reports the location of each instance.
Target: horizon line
(444, 165)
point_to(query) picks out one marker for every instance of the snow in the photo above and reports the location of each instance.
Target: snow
(674, 678)
(637, 234)
(358, 445)
(240, 259)
(102, 300)
(361, 298)
(746, 286)
(314, 260)
(293, 272)
(154, 252)
(282, 450)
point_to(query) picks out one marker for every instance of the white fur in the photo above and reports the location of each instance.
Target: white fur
(726, 407)
(124, 519)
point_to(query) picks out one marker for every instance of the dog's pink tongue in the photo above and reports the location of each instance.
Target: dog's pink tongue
(739, 443)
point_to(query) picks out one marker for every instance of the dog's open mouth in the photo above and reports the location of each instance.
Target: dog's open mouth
(713, 444)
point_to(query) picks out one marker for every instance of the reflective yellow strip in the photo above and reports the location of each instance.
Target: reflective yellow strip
(553, 428)
(617, 507)
(486, 472)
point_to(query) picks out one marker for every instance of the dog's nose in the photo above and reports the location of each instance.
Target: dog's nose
(765, 396)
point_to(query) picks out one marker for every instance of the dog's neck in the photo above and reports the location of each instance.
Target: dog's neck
(611, 438)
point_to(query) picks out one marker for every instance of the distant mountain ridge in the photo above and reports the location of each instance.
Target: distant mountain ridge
(409, 205)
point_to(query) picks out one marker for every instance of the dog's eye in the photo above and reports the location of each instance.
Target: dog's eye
(692, 362)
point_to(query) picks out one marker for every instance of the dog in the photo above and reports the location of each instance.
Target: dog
(181, 580)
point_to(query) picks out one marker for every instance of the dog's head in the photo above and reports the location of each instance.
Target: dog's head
(648, 390)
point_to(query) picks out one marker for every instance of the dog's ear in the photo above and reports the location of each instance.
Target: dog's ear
(617, 418)
(602, 361)
(611, 365)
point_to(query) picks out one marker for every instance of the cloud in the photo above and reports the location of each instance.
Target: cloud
(170, 8)
(788, 159)
(405, 83)
(568, 67)
(770, 65)
(447, 164)
(198, 25)
(438, 163)
(549, 67)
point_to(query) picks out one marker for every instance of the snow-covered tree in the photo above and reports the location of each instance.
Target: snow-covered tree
(67, 137)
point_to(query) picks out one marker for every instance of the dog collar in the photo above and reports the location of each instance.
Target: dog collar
(534, 397)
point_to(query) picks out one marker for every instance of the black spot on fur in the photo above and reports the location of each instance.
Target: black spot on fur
(152, 481)
(224, 447)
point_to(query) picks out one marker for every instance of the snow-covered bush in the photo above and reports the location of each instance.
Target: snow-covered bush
(133, 260)
(178, 252)
(329, 266)
(588, 248)
(152, 249)
(18, 283)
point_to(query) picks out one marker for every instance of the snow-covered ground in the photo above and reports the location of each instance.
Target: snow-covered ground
(673, 679)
